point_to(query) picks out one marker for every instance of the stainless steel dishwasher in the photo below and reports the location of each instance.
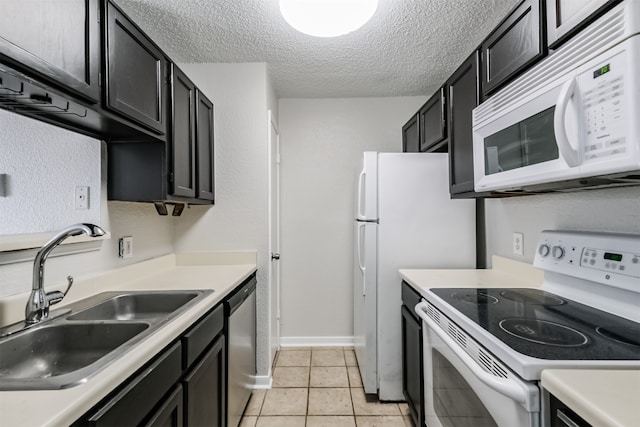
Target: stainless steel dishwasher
(241, 307)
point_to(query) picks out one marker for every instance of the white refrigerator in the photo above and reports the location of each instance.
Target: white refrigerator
(404, 219)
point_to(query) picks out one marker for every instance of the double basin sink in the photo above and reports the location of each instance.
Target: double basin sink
(85, 337)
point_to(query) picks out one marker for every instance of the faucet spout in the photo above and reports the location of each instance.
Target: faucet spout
(37, 308)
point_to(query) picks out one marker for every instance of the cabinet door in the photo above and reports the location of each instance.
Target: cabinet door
(433, 122)
(57, 40)
(204, 132)
(205, 389)
(412, 370)
(133, 404)
(170, 414)
(566, 17)
(463, 98)
(136, 73)
(514, 45)
(411, 135)
(183, 135)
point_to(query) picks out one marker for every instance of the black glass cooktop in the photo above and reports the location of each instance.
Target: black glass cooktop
(546, 326)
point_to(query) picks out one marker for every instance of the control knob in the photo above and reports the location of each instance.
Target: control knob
(543, 250)
(557, 252)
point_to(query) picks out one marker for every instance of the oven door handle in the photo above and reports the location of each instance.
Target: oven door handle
(502, 385)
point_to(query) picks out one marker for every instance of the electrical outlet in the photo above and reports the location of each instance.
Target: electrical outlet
(125, 247)
(82, 198)
(518, 244)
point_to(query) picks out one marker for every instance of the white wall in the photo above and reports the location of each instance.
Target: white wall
(153, 234)
(239, 219)
(612, 210)
(66, 159)
(322, 141)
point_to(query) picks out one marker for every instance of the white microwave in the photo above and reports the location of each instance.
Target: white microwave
(574, 116)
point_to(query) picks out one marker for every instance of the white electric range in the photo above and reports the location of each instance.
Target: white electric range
(486, 348)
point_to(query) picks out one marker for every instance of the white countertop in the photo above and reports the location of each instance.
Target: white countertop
(505, 273)
(220, 272)
(602, 398)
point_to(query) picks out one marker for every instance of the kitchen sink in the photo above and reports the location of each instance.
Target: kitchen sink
(91, 334)
(55, 350)
(136, 306)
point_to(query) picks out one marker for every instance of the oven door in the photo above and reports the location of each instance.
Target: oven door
(460, 392)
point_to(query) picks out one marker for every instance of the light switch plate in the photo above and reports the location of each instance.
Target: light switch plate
(518, 244)
(125, 247)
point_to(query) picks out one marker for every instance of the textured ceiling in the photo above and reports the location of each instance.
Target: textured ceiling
(409, 47)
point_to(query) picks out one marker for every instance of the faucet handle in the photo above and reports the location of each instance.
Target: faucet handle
(57, 296)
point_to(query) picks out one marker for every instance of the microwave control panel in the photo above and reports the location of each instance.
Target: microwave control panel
(603, 97)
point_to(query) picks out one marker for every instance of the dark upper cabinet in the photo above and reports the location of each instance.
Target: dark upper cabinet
(463, 95)
(566, 17)
(433, 123)
(411, 135)
(58, 41)
(183, 134)
(513, 46)
(180, 171)
(204, 146)
(135, 73)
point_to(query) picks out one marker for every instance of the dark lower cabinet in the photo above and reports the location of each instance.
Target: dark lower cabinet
(170, 414)
(134, 403)
(58, 41)
(205, 389)
(514, 45)
(136, 73)
(560, 415)
(411, 135)
(412, 356)
(184, 385)
(463, 96)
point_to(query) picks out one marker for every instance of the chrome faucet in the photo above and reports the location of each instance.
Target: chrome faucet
(37, 308)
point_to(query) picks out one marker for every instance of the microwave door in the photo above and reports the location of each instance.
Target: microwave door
(521, 147)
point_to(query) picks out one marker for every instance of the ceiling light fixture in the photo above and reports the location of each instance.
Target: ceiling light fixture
(327, 18)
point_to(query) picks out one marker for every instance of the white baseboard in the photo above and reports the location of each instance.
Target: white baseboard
(316, 341)
(263, 382)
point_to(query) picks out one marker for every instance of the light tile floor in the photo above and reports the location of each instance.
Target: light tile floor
(318, 387)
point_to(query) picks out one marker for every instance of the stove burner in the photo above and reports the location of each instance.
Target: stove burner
(624, 334)
(532, 297)
(543, 332)
(474, 297)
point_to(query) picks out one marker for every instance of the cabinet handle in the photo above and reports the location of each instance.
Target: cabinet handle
(564, 418)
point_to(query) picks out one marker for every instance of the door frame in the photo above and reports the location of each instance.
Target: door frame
(274, 235)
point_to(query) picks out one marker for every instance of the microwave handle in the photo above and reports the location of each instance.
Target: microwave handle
(570, 154)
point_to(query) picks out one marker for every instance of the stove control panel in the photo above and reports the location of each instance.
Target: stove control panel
(607, 258)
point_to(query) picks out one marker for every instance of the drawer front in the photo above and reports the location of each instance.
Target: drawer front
(134, 403)
(200, 336)
(410, 297)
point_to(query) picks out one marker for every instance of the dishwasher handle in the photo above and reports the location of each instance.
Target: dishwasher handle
(236, 300)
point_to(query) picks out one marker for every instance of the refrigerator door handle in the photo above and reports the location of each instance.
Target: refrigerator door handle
(359, 213)
(359, 244)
